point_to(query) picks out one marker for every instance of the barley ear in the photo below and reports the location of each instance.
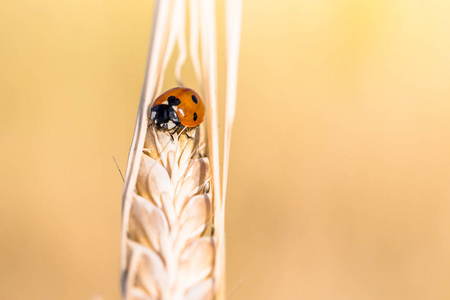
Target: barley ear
(173, 235)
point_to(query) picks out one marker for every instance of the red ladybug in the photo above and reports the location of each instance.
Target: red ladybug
(176, 108)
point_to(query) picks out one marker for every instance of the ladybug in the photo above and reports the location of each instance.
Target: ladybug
(176, 108)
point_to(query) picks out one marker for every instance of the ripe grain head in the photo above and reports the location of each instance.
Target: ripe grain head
(173, 235)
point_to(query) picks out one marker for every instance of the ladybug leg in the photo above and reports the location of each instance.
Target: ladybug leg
(185, 132)
(171, 136)
(170, 133)
(173, 131)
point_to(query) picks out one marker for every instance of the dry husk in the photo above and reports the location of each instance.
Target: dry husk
(170, 252)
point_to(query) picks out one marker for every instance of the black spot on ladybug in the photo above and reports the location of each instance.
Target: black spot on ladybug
(195, 115)
(173, 101)
(195, 100)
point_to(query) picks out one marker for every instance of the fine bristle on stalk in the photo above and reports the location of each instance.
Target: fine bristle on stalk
(173, 235)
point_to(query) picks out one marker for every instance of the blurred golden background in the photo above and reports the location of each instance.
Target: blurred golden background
(340, 160)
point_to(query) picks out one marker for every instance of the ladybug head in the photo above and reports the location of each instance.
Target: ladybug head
(164, 117)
